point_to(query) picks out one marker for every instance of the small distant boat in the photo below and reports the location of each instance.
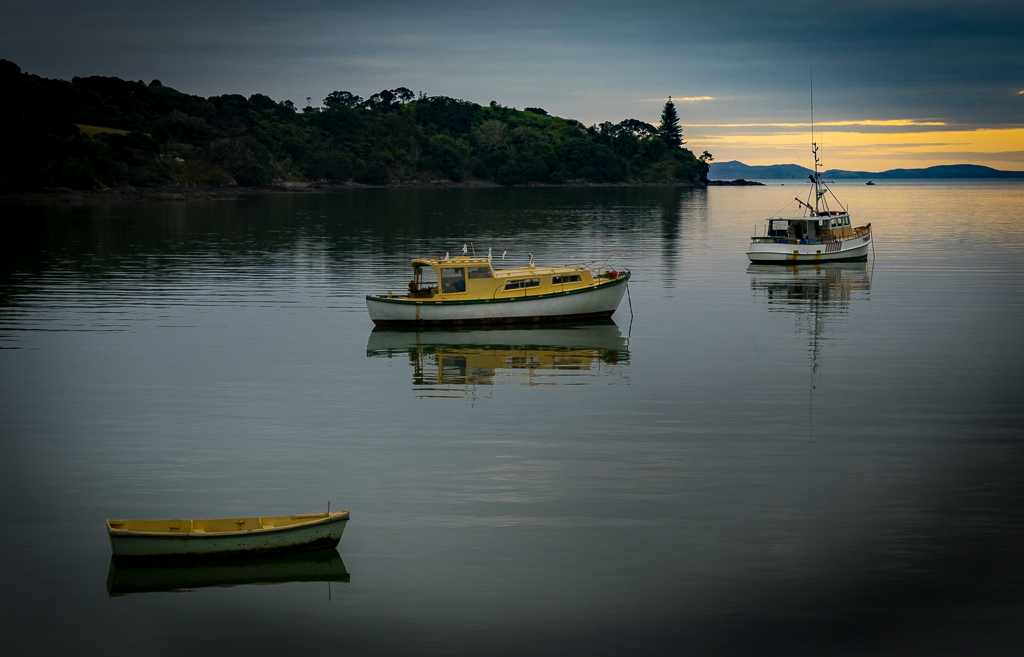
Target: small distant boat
(472, 291)
(869, 183)
(223, 537)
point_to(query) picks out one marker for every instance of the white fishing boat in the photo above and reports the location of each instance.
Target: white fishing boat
(824, 233)
(465, 289)
(225, 536)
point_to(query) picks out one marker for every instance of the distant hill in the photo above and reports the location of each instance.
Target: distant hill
(733, 170)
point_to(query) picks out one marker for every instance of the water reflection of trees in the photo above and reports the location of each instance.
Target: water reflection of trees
(467, 363)
(679, 206)
(361, 228)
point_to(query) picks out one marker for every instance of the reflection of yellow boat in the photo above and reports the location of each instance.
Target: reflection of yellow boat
(225, 536)
(529, 356)
(466, 289)
(140, 577)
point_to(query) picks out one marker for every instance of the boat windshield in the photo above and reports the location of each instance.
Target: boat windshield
(480, 272)
(425, 276)
(453, 279)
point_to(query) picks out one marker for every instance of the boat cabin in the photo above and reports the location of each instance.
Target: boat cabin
(465, 277)
(811, 230)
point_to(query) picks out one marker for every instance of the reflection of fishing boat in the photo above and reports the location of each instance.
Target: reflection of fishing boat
(822, 234)
(530, 356)
(125, 577)
(815, 295)
(469, 290)
(225, 536)
(825, 287)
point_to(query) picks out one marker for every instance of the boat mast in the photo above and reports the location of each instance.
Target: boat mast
(818, 192)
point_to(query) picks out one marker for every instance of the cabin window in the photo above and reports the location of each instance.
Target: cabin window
(453, 280)
(558, 280)
(528, 282)
(777, 228)
(480, 272)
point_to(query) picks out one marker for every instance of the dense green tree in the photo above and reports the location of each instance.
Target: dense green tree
(669, 128)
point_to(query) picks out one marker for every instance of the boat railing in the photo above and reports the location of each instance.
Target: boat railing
(860, 231)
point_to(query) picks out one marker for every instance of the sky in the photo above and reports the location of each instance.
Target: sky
(896, 83)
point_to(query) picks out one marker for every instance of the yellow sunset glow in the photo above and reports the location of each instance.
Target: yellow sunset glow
(683, 99)
(863, 151)
(871, 122)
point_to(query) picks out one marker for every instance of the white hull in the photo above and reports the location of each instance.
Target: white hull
(600, 301)
(304, 537)
(773, 252)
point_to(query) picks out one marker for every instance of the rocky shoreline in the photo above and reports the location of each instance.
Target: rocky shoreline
(129, 194)
(739, 182)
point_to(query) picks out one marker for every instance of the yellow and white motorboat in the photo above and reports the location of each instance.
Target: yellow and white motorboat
(225, 536)
(466, 289)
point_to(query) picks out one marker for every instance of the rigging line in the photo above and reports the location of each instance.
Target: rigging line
(782, 208)
(812, 114)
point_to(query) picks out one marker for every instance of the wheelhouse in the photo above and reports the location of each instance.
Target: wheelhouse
(475, 278)
(809, 230)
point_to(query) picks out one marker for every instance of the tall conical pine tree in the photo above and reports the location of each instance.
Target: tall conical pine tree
(669, 128)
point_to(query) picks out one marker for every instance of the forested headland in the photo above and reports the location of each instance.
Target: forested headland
(92, 132)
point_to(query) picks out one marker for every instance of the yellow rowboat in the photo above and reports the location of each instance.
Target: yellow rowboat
(156, 575)
(466, 289)
(225, 536)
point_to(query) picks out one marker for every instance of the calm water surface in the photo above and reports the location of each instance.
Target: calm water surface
(758, 460)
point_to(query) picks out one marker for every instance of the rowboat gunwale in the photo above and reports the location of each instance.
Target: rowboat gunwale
(319, 519)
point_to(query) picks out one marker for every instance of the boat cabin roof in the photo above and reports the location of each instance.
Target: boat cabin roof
(457, 261)
(820, 217)
(468, 261)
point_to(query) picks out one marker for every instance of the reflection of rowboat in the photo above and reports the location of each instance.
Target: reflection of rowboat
(225, 536)
(469, 290)
(518, 355)
(176, 575)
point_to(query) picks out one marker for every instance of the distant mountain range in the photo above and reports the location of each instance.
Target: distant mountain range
(733, 170)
